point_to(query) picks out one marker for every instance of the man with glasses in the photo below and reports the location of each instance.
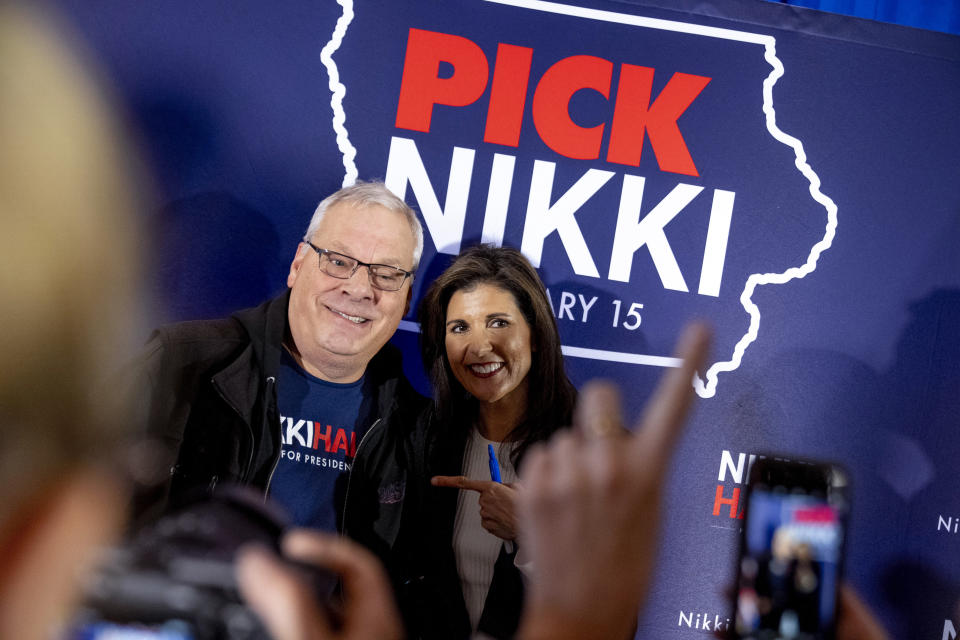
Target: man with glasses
(289, 396)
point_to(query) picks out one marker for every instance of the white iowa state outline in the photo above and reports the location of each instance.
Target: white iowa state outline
(705, 387)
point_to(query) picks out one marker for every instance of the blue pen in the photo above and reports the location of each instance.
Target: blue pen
(494, 467)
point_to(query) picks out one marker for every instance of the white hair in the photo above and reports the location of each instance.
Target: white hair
(369, 193)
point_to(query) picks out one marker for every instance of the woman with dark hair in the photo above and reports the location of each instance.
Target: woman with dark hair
(490, 345)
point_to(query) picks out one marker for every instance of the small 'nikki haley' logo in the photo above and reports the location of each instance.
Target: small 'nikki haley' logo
(317, 436)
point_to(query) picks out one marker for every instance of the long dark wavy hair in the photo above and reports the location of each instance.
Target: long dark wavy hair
(551, 395)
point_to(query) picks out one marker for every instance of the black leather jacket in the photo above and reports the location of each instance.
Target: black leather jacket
(437, 610)
(209, 402)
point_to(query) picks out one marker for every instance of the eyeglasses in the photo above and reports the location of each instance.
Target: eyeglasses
(382, 276)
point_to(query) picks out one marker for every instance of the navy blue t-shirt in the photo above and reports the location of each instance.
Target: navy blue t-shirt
(320, 426)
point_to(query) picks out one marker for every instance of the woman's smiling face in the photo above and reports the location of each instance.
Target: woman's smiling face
(488, 344)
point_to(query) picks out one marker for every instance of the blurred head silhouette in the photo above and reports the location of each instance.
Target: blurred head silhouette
(67, 309)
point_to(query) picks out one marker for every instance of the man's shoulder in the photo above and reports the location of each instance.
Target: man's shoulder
(216, 335)
(196, 344)
(193, 333)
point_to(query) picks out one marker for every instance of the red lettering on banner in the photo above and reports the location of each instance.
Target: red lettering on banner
(733, 502)
(340, 441)
(633, 115)
(422, 87)
(508, 95)
(551, 102)
(317, 437)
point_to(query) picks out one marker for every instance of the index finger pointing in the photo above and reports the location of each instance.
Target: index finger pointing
(597, 413)
(663, 418)
(459, 482)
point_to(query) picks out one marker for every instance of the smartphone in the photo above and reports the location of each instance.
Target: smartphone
(112, 631)
(791, 551)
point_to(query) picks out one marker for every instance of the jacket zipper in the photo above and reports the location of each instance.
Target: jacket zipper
(346, 497)
(276, 462)
(266, 490)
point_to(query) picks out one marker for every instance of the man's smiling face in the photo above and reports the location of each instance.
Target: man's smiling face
(339, 325)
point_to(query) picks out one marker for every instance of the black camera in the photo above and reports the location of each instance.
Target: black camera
(174, 579)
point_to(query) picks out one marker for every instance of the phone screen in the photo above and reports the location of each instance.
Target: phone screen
(790, 560)
(113, 631)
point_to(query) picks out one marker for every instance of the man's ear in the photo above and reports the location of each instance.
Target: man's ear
(406, 309)
(298, 261)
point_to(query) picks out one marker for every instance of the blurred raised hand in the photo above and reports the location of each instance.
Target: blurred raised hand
(590, 508)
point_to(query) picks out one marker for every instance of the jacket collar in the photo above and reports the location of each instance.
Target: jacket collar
(266, 326)
(239, 382)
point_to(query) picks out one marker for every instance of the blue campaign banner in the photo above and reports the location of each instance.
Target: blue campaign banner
(788, 175)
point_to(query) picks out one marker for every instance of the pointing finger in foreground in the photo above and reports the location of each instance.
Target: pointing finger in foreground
(667, 409)
(597, 414)
(591, 508)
